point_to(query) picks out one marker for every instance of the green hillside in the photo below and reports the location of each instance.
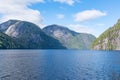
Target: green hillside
(108, 40)
(6, 42)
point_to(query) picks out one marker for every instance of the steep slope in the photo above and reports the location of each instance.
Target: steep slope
(109, 40)
(7, 42)
(29, 35)
(69, 38)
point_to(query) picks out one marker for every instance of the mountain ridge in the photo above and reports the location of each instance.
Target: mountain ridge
(30, 35)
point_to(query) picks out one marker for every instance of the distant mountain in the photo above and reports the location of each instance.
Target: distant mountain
(69, 38)
(109, 40)
(29, 35)
(7, 42)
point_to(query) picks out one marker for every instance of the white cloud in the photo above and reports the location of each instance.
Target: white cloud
(88, 15)
(69, 2)
(17, 9)
(60, 16)
(81, 28)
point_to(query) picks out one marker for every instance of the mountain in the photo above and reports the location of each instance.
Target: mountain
(29, 35)
(108, 40)
(69, 38)
(7, 42)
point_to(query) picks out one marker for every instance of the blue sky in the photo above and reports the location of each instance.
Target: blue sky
(86, 16)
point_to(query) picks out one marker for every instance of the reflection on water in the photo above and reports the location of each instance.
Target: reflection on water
(59, 65)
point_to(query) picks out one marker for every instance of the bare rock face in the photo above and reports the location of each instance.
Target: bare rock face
(12, 31)
(109, 40)
(29, 35)
(69, 38)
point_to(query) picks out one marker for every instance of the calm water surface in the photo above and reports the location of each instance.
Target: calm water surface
(59, 65)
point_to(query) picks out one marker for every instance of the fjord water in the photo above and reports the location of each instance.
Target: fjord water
(59, 65)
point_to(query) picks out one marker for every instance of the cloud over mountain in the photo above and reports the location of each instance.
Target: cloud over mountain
(17, 9)
(81, 28)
